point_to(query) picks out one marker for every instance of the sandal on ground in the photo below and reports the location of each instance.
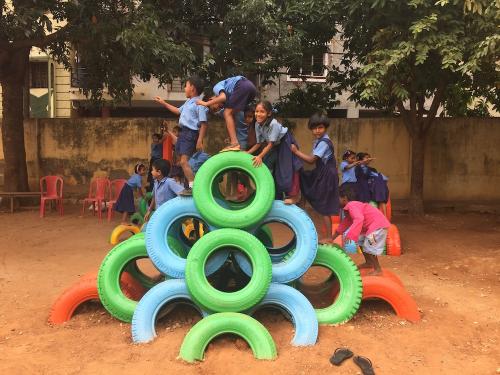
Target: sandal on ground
(340, 355)
(364, 364)
(231, 147)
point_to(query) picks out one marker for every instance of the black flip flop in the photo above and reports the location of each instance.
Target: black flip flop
(340, 355)
(364, 364)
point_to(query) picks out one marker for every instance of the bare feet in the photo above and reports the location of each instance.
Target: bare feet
(291, 200)
(365, 265)
(231, 147)
(375, 272)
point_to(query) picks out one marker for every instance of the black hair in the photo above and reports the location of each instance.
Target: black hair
(249, 108)
(198, 83)
(156, 135)
(267, 106)
(347, 153)
(177, 128)
(361, 155)
(162, 165)
(138, 167)
(349, 192)
(176, 171)
(318, 119)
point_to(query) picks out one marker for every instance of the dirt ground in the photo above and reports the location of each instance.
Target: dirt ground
(450, 266)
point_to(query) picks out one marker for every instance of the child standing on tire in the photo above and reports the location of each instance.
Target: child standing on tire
(367, 226)
(234, 94)
(125, 202)
(320, 186)
(193, 123)
(274, 143)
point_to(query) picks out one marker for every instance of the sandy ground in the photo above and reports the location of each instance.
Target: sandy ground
(450, 266)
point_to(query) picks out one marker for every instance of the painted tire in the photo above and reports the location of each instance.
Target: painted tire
(299, 308)
(137, 219)
(388, 209)
(296, 263)
(212, 299)
(159, 249)
(144, 203)
(255, 334)
(351, 288)
(393, 243)
(394, 294)
(108, 285)
(223, 217)
(120, 230)
(145, 314)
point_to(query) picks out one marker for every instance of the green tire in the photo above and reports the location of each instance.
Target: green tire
(212, 299)
(225, 217)
(144, 203)
(108, 277)
(254, 333)
(351, 288)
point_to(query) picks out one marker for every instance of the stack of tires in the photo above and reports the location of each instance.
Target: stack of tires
(234, 234)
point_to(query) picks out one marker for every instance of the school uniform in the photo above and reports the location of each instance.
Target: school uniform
(280, 160)
(239, 92)
(191, 117)
(165, 189)
(156, 153)
(379, 191)
(320, 186)
(125, 201)
(363, 183)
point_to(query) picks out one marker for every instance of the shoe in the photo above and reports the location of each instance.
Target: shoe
(364, 364)
(231, 147)
(340, 355)
(187, 192)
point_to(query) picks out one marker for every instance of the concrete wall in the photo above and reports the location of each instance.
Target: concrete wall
(462, 155)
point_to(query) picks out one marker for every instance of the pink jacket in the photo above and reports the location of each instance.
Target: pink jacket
(363, 219)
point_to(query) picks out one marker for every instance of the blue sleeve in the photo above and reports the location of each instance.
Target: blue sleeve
(181, 108)
(175, 186)
(321, 149)
(135, 181)
(275, 132)
(343, 165)
(218, 88)
(202, 113)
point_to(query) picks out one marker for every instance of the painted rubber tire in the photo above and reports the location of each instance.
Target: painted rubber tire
(388, 209)
(159, 250)
(144, 203)
(212, 299)
(394, 294)
(393, 242)
(146, 312)
(86, 290)
(119, 230)
(255, 334)
(296, 263)
(108, 286)
(223, 217)
(137, 219)
(298, 307)
(351, 288)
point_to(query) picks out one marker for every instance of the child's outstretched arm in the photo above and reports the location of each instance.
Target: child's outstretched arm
(257, 160)
(311, 159)
(352, 165)
(219, 99)
(170, 107)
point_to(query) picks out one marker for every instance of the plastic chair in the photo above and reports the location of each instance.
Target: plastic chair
(115, 187)
(98, 193)
(53, 191)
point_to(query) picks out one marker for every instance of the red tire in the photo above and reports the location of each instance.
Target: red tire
(385, 273)
(393, 293)
(393, 243)
(388, 209)
(86, 290)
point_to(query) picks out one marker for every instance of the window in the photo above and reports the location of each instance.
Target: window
(312, 69)
(39, 75)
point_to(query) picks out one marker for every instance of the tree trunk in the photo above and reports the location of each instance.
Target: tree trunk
(416, 203)
(12, 81)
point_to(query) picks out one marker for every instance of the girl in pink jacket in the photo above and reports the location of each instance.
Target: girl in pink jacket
(368, 227)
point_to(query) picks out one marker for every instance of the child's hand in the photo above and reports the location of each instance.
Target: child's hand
(257, 161)
(146, 217)
(158, 99)
(199, 145)
(201, 102)
(293, 148)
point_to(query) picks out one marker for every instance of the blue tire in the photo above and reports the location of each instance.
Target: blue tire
(299, 309)
(146, 312)
(162, 256)
(298, 261)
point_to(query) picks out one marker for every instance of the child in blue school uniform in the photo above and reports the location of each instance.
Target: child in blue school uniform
(169, 183)
(125, 202)
(320, 186)
(377, 183)
(274, 143)
(233, 94)
(193, 122)
(363, 177)
(347, 168)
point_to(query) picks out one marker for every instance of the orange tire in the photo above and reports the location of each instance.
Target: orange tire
(335, 219)
(393, 293)
(86, 290)
(393, 243)
(385, 273)
(388, 209)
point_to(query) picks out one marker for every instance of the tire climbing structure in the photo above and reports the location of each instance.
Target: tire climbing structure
(193, 242)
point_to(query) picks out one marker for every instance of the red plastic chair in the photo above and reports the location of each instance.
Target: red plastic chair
(115, 187)
(53, 191)
(98, 194)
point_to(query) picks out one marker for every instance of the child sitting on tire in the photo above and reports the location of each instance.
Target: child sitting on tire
(367, 226)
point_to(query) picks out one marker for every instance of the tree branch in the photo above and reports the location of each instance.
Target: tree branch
(406, 117)
(39, 42)
(436, 102)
